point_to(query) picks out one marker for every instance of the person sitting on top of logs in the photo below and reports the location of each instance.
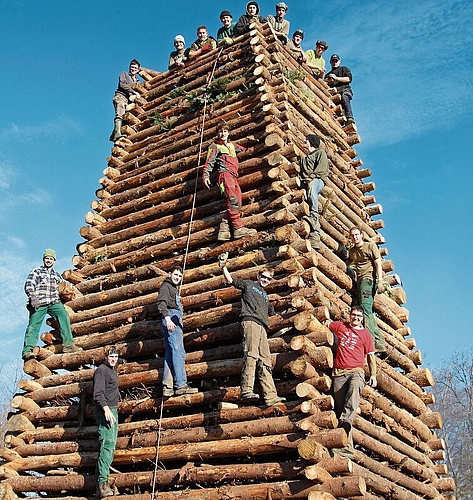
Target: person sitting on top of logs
(354, 344)
(180, 56)
(364, 262)
(125, 94)
(295, 47)
(226, 33)
(41, 287)
(280, 26)
(252, 15)
(314, 172)
(339, 78)
(222, 157)
(106, 397)
(255, 309)
(203, 44)
(169, 305)
(315, 61)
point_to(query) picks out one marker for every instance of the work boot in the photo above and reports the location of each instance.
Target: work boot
(185, 390)
(314, 240)
(167, 392)
(241, 232)
(224, 231)
(312, 223)
(28, 355)
(71, 349)
(249, 397)
(104, 490)
(117, 130)
(276, 400)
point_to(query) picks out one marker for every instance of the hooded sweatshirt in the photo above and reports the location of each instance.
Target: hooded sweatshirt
(243, 24)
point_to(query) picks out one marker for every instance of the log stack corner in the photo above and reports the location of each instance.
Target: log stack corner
(206, 445)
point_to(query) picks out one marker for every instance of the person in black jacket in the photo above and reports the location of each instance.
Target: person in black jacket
(174, 374)
(106, 398)
(339, 78)
(255, 309)
(252, 14)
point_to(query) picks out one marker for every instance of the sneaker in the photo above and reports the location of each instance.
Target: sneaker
(275, 400)
(28, 355)
(185, 390)
(241, 232)
(70, 349)
(346, 452)
(104, 490)
(167, 392)
(249, 397)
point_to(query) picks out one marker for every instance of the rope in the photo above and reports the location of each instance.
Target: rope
(157, 450)
(189, 232)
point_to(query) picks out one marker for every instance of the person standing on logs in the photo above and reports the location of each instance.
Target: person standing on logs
(203, 44)
(295, 47)
(41, 287)
(279, 25)
(315, 61)
(255, 309)
(169, 305)
(354, 345)
(106, 397)
(222, 158)
(339, 78)
(314, 172)
(178, 57)
(228, 30)
(252, 15)
(364, 261)
(124, 95)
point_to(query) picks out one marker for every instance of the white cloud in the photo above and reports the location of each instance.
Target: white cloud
(14, 193)
(411, 64)
(57, 128)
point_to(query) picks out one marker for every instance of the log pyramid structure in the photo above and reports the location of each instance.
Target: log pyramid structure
(206, 445)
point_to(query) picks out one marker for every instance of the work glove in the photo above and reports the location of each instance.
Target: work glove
(227, 41)
(206, 48)
(222, 259)
(380, 286)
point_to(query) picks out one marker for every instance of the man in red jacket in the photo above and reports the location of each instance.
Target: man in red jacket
(222, 157)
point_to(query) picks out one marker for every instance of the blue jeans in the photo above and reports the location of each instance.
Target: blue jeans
(313, 189)
(346, 97)
(174, 374)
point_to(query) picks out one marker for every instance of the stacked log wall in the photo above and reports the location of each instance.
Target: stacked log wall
(205, 445)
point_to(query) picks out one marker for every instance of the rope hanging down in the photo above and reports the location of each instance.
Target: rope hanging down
(189, 232)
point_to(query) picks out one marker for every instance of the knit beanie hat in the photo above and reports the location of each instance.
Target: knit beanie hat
(179, 38)
(255, 4)
(225, 13)
(314, 140)
(49, 252)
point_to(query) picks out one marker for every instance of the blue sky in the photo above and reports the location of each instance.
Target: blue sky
(413, 78)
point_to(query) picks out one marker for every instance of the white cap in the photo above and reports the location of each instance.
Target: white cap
(179, 38)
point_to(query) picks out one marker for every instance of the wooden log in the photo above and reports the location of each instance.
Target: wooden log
(317, 474)
(35, 369)
(319, 356)
(395, 477)
(193, 475)
(226, 448)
